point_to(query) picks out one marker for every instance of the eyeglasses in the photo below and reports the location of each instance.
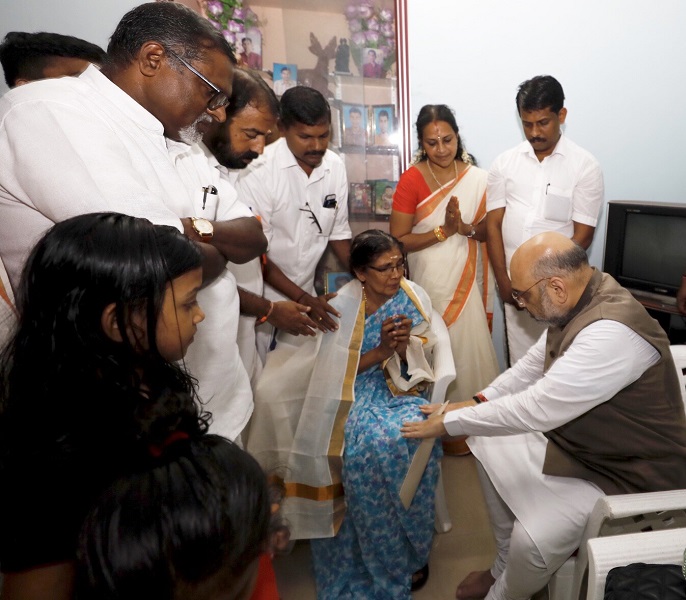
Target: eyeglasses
(312, 216)
(520, 297)
(388, 269)
(219, 98)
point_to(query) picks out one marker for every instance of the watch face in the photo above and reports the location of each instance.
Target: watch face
(203, 226)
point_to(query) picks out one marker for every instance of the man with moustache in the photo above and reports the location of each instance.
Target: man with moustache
(299, 189)
(117, 139)
(546, 183)
(231, 146)
(593, 408)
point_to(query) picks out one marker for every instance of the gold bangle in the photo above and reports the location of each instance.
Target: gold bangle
(440, 234)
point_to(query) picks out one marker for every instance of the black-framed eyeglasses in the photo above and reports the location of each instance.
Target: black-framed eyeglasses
(520, 297)
(388, 269)
(312, 216)
(219, 99)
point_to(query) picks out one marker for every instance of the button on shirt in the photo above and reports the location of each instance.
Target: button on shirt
(276, 188)
(544, 195)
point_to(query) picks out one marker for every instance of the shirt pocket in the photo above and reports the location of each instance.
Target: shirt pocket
(326, 217)
(557, 205)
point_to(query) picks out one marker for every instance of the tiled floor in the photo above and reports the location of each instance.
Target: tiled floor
(467, 547)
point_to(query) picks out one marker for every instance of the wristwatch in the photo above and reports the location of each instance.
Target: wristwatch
(203, 228)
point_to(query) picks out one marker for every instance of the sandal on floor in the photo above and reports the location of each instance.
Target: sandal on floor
(419, 578)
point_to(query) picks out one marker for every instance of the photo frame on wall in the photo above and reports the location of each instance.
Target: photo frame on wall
(335, 280)
(373, 62)
(383, 125)
(360, 206)
(383, 197)
(285, 77)
(355, 123)
(250, 49)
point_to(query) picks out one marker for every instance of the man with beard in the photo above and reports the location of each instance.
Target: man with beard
(593, 408)
(546, 183)
(117, 139)
(231, 146)
(299, 189)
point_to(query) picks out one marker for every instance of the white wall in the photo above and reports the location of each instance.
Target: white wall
(92, 20)
(622, 64)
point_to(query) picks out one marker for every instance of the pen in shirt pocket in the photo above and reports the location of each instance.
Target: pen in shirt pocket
(210, 189)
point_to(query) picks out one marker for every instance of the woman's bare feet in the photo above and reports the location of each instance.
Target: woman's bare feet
(475, 585)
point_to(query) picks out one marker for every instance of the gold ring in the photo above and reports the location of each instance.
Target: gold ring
(320, 318)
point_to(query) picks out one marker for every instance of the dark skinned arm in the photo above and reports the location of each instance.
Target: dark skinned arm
(319, 307)
(238, 240)
(496, 254)
(583, 234)
(286, 315)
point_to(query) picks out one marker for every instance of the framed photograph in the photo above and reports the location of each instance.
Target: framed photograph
(335, 280)
(355, 123)
(250, 49)
(383, 125)
(373, 62)
(360, 201)
(383, 197)
(285, 77)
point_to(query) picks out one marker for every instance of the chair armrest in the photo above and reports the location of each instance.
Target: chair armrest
(605, 553)
(443, 362)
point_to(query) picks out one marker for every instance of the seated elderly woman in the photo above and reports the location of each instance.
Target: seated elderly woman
(328, 411)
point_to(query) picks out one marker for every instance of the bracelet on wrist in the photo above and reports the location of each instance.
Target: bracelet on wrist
(479, 398)
(439, 232)
(264, 317)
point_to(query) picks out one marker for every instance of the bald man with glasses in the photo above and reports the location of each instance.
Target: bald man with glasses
(593, 408)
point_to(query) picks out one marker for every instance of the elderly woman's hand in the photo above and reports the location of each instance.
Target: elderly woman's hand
(402, 325)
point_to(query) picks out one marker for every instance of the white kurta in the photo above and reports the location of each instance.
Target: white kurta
(71, 146)
(277, 190)
(604, 358)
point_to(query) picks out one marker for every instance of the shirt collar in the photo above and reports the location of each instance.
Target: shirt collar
(560, 148)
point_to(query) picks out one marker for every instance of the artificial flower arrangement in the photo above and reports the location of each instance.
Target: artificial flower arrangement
(371, 27)
(231, 18)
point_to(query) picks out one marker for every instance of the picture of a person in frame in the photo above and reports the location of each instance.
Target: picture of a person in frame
(248, 57)
(284, 79)
(383, 127)
(373, 63)
(355, 127)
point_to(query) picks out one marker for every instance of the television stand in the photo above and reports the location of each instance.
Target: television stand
(663, 309)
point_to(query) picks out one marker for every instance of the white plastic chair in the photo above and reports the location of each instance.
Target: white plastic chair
(653, 547)
(622, 514)
(444, 373)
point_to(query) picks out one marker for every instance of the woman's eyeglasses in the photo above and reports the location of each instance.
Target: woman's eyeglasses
(219, 98)
(388, 269)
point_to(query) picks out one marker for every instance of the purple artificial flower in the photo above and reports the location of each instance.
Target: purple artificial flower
(214, 7)
(216, 24)
(235, 27)
(365, 10)
(386, 15)
(373, 24)
(358, 39)
(351, 11)
(229, 36)
(372, 37)
(239, 14)
(355, 25)
(387, 30)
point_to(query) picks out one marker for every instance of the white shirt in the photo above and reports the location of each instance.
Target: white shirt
(276, 188)
(71, 146)
(543, 196)
(603, 359)
(281, 85)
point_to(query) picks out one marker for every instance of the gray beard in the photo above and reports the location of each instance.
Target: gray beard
(191, 134)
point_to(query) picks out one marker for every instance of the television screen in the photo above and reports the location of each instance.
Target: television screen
(654, 249)
(645, 246)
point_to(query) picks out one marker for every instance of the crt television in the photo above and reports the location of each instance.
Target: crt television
(645, 248)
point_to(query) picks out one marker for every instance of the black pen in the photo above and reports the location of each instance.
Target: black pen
(210, 189)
